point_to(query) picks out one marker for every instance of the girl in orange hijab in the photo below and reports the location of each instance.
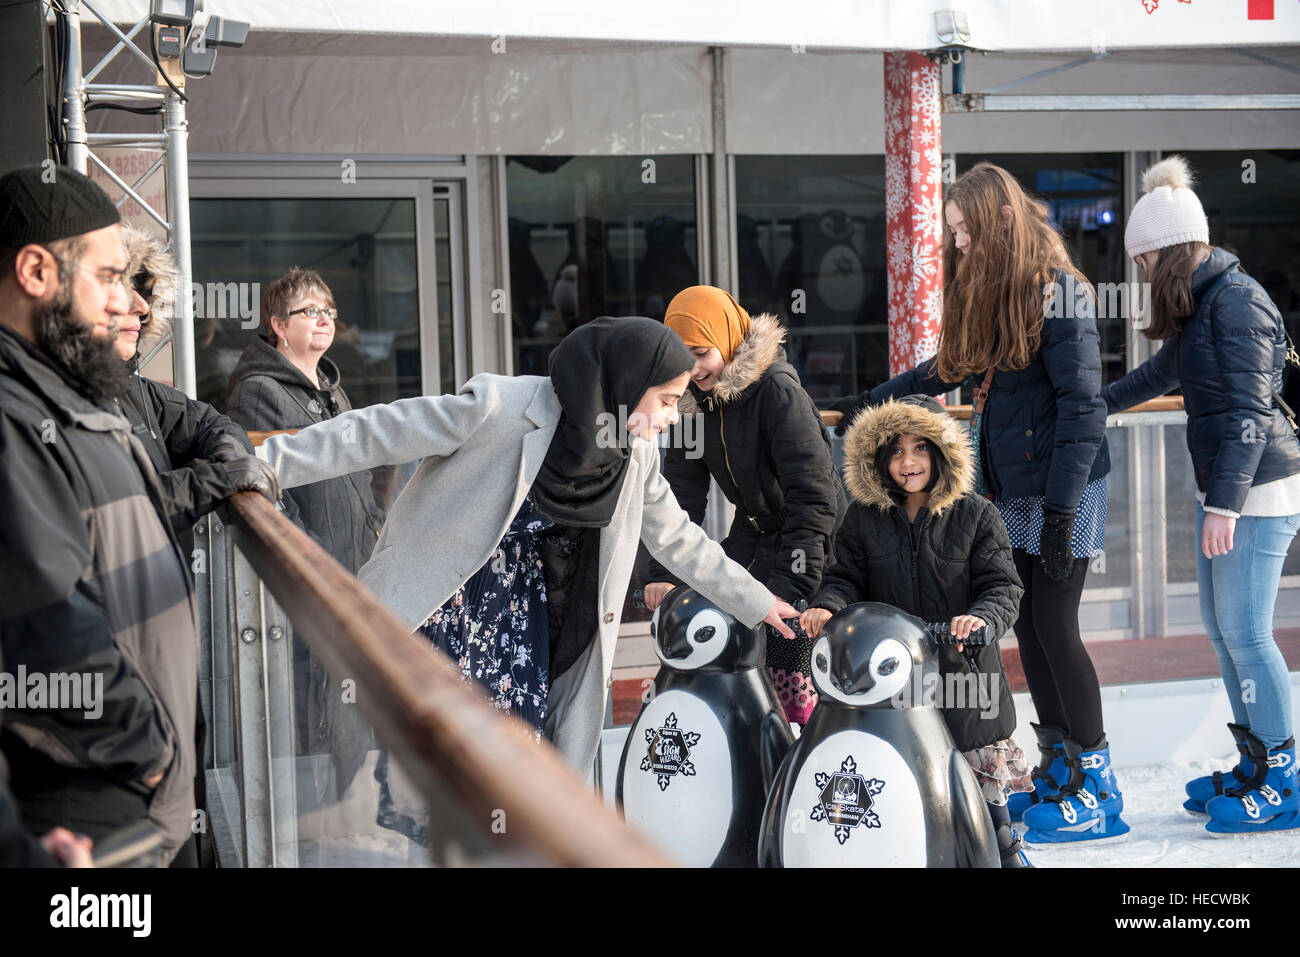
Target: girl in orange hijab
(759, 436)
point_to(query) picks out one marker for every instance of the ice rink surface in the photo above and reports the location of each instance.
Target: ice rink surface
(1164, 835)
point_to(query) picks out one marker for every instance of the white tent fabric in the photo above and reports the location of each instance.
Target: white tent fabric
(834, 24)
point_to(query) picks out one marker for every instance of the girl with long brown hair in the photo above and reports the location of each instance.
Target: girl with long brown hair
(1019, 318)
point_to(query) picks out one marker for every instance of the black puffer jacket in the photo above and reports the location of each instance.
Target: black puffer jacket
(178, 433)
(760, 437)
(1228, 359)
(955, 559)
(267, 392)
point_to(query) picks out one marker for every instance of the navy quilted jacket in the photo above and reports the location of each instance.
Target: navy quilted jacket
(1228, 359)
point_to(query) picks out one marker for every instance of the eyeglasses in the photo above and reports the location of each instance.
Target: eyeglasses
(315, 312)
(107, 277)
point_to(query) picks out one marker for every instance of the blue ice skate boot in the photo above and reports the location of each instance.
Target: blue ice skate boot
(1050, 774)
(1269, 801)
(1201, 790)
(1087, 808)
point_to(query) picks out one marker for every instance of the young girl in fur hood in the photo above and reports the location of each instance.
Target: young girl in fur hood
(918, 538)
(761, 439)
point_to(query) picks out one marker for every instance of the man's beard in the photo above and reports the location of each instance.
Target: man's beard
(90, 359)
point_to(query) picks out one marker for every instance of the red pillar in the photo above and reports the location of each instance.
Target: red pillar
(913, 214)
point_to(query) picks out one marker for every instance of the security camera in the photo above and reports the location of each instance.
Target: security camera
(200, 54)
(172, 13)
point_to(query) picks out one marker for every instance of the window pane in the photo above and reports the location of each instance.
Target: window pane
(364, 249)
(595, 236)
(811, 249)
(1254, 213)
(442, 264)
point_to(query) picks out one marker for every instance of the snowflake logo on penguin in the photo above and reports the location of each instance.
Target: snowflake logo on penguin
(668, 751)
(845, 799)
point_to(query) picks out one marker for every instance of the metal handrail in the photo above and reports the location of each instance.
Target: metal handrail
(445, 734)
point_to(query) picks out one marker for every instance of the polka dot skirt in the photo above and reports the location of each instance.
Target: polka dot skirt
(1024, 520)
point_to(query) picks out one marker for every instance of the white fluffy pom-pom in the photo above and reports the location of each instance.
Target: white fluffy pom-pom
(1172, 171)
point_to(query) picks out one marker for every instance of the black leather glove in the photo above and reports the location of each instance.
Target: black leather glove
(250, 474)
(1054, 545)
(226, 448)
(850, 406)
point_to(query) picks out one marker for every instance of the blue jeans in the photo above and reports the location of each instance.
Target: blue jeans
(1238, 591)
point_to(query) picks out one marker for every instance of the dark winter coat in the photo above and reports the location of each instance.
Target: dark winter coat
(1043, 431)
(954, 559)
(267, 393)
(93, 584)
(761, 439)
(17, 847)
(178, 433)
(1228, 359)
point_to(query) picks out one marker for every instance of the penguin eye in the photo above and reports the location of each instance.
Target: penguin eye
(705, 633)
(653, 630)
(888, 666)
(822, 663)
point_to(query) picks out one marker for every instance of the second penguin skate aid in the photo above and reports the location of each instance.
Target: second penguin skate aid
(875, 780)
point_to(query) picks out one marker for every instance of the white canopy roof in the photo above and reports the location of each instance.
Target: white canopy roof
(1011, 25)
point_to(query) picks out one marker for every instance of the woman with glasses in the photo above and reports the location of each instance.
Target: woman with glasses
(284, 381)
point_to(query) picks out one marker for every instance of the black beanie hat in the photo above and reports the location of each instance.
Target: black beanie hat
(39, 204)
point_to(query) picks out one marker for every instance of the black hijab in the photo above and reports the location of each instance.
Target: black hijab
(599, 372)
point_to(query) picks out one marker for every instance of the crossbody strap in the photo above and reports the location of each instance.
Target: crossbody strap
(982, 392)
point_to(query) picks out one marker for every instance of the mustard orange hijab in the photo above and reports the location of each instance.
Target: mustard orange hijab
(707, 317)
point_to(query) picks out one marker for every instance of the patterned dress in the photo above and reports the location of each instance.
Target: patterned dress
(1024, 519)
(495, 629)
(495, 626)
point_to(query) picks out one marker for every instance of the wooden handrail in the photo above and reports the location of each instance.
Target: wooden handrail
(257, 438)
(446, 735)
(1166, 403)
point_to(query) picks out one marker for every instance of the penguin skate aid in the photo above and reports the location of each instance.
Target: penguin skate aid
(875, 779)
(704, 748)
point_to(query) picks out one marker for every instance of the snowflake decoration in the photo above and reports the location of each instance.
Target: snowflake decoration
(845, 799)
(668, 751)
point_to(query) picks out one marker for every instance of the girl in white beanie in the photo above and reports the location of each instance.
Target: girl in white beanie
(1225, 345)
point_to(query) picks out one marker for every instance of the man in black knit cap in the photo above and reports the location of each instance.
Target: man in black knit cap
(95, 597)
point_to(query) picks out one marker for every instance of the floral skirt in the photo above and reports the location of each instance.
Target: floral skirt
(1001, 769)
(495, 627)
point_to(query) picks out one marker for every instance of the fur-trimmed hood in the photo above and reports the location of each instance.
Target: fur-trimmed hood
(145, 253)
(876, 425)
(754, 356)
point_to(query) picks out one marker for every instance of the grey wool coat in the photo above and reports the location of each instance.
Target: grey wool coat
(481, 450)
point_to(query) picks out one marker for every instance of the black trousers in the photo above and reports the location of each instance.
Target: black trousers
(1062, 680)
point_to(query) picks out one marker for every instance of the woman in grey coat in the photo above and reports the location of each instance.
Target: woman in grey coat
(579, 446)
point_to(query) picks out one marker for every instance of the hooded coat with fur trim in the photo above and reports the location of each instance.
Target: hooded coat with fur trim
(179, 433)
(758, 434)
(954, 559)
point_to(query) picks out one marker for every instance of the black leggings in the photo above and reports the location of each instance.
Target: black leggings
(1062, 681)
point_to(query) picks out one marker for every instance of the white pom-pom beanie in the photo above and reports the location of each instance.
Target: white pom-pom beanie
(1169, 213)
